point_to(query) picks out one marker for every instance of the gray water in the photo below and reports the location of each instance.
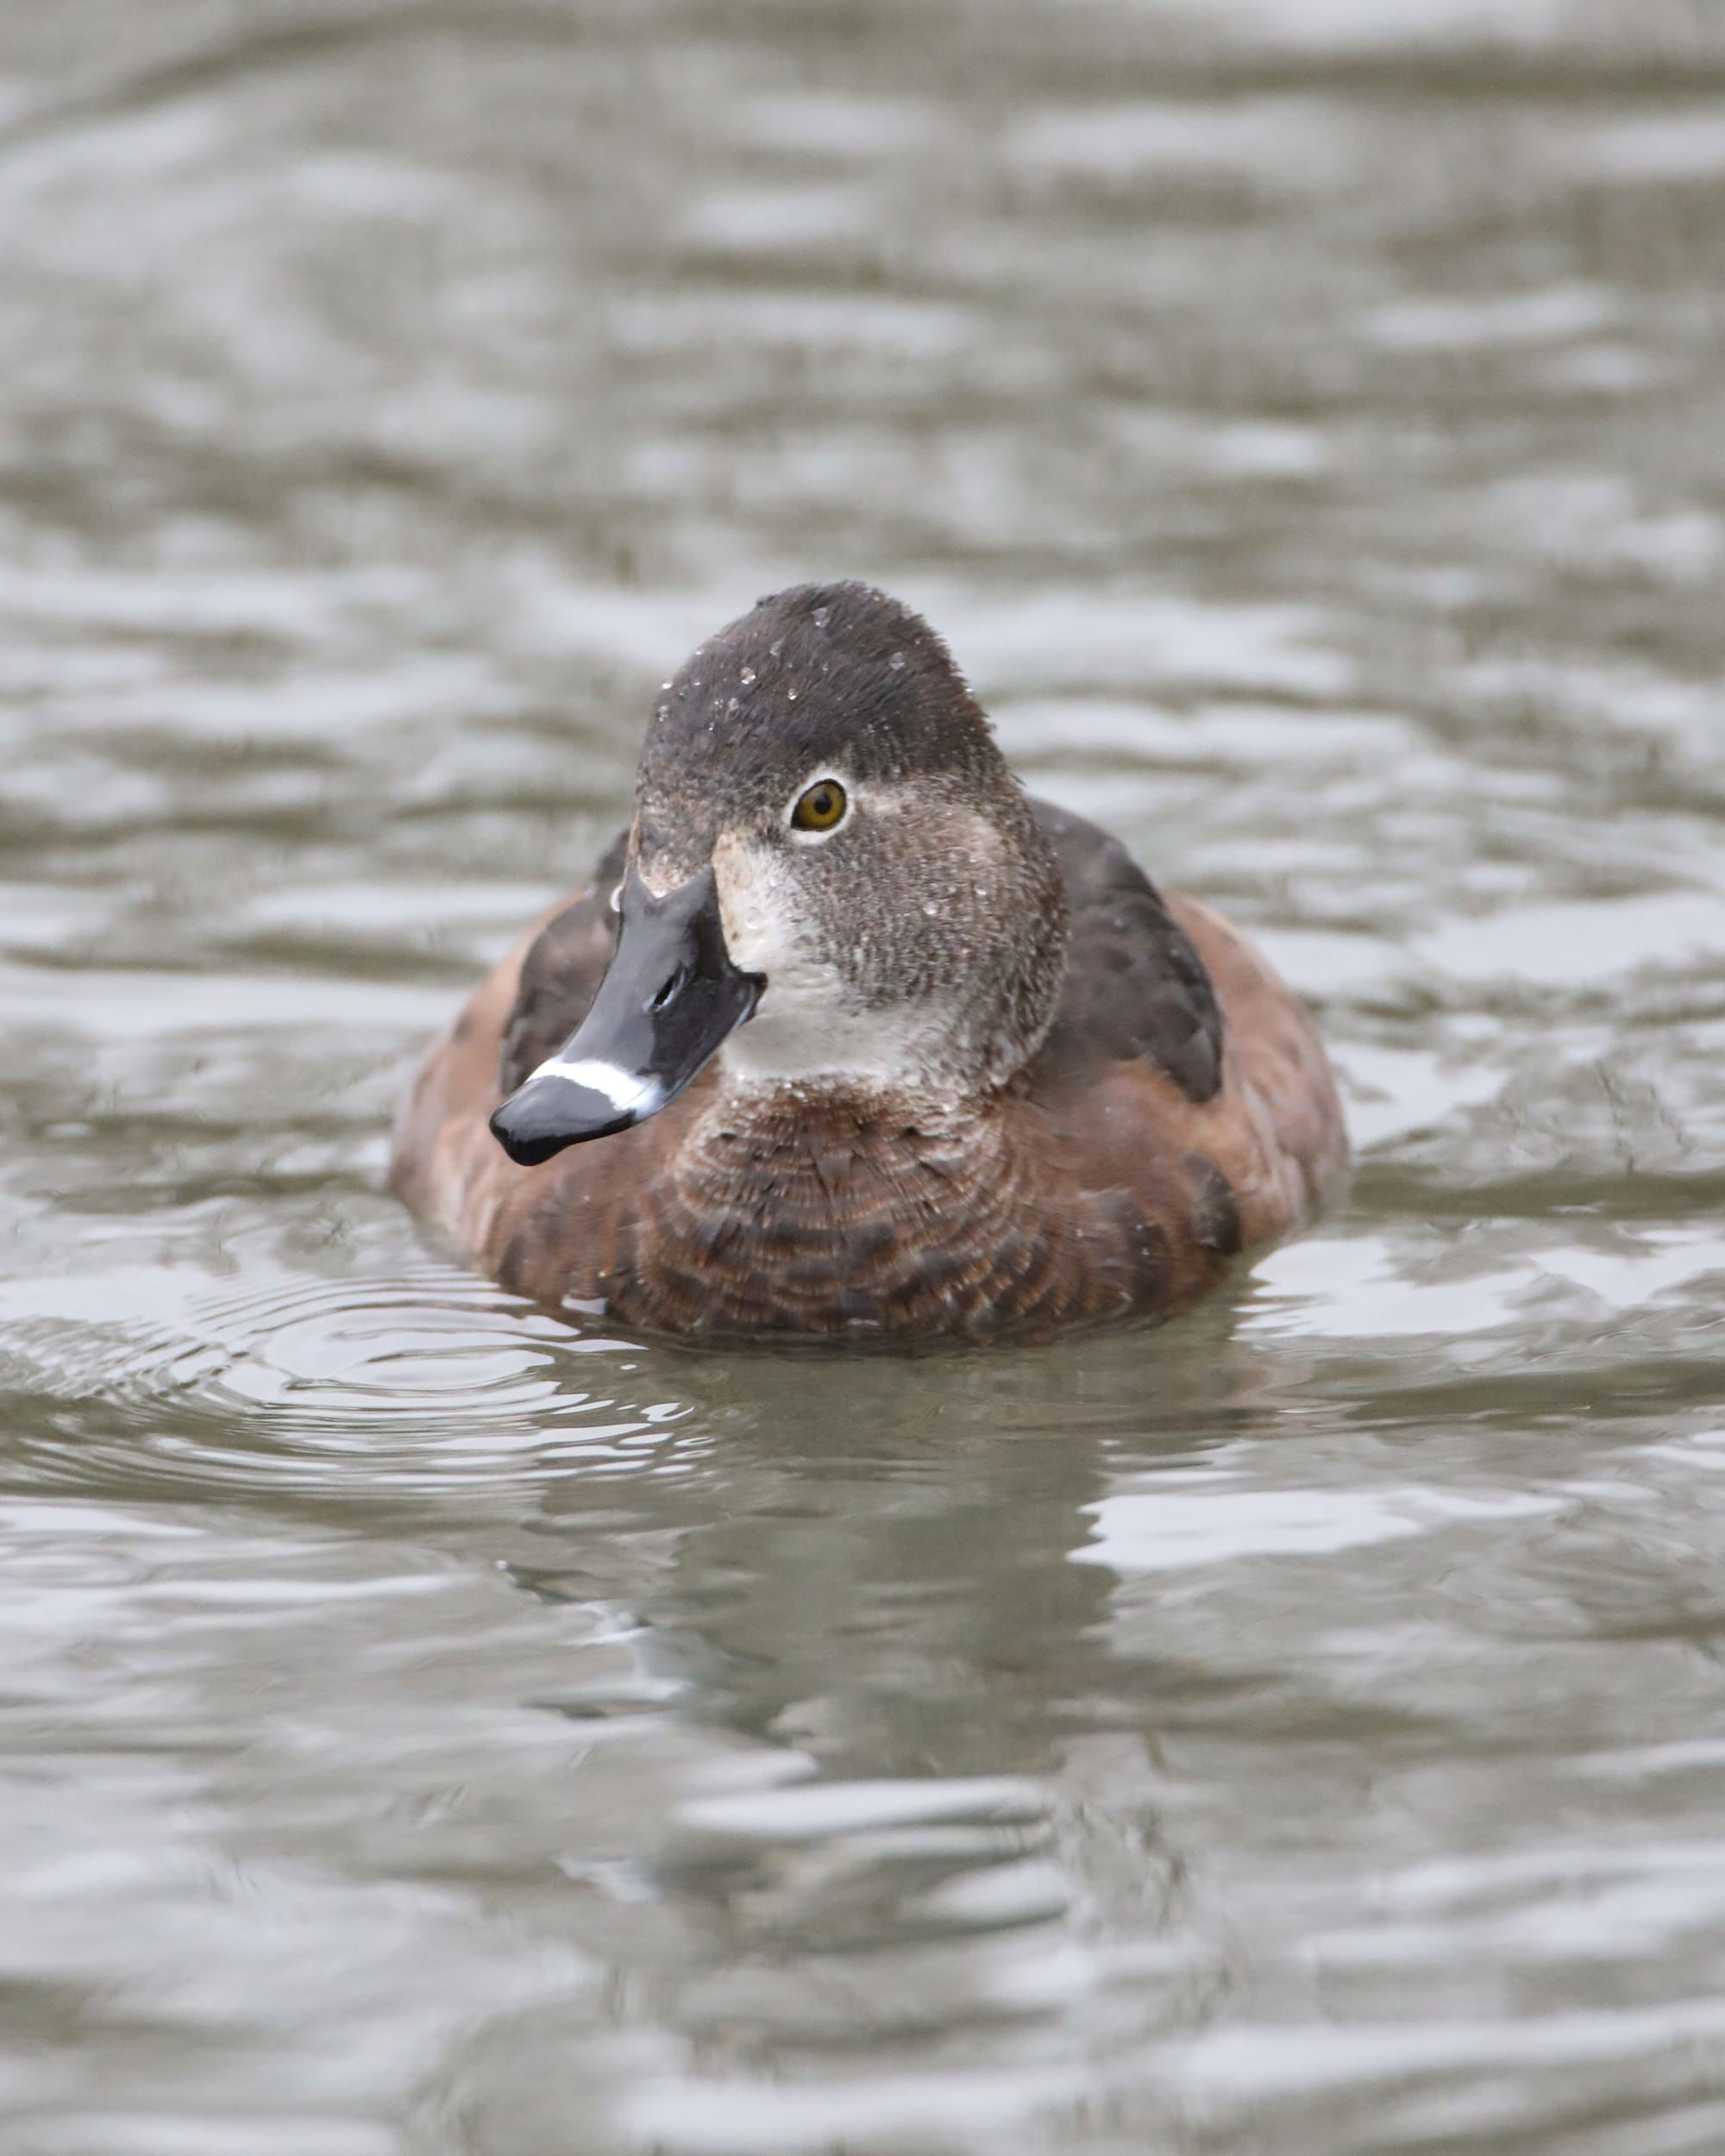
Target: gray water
(423, 1728)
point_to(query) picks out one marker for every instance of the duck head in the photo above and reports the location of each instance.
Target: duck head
(832, 879)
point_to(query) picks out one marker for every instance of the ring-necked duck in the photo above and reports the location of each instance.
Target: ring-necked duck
(876, 1045)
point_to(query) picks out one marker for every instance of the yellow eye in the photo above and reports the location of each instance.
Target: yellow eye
(821, 808)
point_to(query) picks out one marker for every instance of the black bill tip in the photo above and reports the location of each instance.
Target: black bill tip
(549, 1113)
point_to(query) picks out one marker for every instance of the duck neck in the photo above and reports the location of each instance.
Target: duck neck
(872, 1111)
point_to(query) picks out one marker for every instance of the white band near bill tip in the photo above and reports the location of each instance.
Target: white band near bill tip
(628, 1093)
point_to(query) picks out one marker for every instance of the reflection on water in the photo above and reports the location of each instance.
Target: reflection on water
(428, 1729)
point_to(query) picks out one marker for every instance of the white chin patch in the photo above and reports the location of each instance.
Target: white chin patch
(807, 1032)
(627, 1094)
(806, 1026)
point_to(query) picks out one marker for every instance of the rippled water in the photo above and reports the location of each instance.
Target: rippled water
(425, 1729)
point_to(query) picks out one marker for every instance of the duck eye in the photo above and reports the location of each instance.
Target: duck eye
(821, 807)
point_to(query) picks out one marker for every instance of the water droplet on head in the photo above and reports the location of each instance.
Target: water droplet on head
(775, 649)
(897, 660)
(747, 677)
(822, 616)
(790, 696)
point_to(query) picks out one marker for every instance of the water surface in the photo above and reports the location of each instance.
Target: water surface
(428, 1731)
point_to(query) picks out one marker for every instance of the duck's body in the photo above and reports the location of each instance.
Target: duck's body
(1024, 1092)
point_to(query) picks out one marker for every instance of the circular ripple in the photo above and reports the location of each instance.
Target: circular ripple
(408, 1381)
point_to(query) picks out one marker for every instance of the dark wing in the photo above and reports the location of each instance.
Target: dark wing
(1134, 988)
(561, 972)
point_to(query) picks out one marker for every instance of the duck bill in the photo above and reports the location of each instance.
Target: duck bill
(669, 997)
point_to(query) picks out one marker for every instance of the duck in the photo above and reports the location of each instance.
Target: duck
(849, 1038)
